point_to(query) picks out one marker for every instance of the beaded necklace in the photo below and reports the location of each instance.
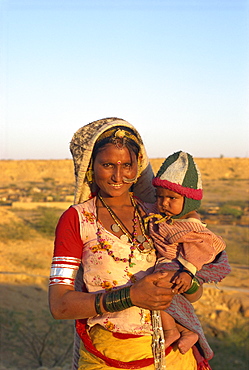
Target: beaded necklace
(140, 242)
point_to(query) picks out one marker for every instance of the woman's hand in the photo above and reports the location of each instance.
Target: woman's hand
(170, 280)
(153, 292)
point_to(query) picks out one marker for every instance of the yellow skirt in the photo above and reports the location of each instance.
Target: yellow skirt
(127, 350)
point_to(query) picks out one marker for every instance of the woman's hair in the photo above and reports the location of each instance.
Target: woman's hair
(121, 137)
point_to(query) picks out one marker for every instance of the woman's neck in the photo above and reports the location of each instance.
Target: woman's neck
(116, 202)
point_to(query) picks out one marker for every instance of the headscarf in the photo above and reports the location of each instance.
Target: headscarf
(81, 147)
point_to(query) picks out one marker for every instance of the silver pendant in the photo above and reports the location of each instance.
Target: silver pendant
(140, 238)
(146, 245)
(149, 257)
(115, 228)
(124, 238)
(140, 256)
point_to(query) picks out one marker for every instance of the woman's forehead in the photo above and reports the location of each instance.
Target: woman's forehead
(111, 152)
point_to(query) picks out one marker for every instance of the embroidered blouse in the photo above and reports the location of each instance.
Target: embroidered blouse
(105, 265)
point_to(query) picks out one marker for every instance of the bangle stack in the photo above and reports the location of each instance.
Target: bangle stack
(97, 304)
(194, 286)
(117, 300)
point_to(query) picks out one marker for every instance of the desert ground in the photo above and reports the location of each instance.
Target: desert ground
(62, 170)
(31, 339)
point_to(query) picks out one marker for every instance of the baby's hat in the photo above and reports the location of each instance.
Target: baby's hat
(180, 174)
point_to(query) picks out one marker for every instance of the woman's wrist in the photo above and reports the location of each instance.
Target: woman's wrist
(97, 303)
(117, 300)
(113, 301)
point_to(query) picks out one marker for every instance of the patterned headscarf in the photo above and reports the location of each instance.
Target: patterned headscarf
(81, 147)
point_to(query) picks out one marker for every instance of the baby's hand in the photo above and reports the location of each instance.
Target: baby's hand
(182, 282)
(167, 280)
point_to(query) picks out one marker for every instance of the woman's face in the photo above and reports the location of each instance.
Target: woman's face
(111, 166)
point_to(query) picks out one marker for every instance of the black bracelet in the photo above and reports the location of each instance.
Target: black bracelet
(117, 300)
(97, 304)
(189, 273)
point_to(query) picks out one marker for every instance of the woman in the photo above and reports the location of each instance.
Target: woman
(103, 259)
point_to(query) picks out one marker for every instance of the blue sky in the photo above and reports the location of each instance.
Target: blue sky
(177, 70)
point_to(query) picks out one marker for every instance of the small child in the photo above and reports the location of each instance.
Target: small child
(179, 235)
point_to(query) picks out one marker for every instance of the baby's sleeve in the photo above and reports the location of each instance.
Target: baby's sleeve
(200, 248)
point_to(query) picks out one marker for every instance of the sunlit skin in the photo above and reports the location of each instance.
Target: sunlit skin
(169, 202)
(110, 167)
(153, 292)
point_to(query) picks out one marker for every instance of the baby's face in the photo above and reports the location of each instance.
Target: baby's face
(169, 202)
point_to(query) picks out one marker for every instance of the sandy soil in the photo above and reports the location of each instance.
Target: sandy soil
(25, 266)
(24, 275)
(62, 170)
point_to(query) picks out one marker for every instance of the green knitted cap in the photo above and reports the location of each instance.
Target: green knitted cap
(180, 174)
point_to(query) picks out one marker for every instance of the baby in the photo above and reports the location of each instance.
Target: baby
(179, 235)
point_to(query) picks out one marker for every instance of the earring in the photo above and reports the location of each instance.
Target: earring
(89, 175)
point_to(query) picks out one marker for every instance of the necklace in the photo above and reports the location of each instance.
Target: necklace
(118, 224)
(140, 242)
(147, 244)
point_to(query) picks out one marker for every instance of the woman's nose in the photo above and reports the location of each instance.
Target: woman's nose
(117, 174)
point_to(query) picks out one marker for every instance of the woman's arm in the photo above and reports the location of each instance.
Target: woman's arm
(66, 303)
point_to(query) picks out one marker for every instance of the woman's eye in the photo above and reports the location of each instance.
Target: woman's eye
(127, 165)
